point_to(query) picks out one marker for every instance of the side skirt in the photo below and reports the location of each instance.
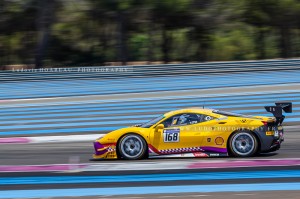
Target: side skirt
(189, 155)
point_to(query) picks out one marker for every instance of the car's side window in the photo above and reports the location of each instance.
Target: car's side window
(171, 121)
(186, 119)
(205, 118)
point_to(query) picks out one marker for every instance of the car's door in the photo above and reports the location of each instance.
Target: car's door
(180, 135)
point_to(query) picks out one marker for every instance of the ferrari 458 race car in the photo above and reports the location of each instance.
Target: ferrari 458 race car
(196, 132)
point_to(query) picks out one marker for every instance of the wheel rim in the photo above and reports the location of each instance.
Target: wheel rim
(243, 144)
(132, 146)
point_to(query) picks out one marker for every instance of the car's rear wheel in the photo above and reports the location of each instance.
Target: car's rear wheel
(132, 147)
(243, 144)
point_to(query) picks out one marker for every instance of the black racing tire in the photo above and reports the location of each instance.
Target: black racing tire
(132, 147)
(243, 144)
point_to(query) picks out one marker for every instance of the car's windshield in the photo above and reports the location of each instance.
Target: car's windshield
(152, 122)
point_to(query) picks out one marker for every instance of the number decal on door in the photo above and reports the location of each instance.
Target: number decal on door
(171, 135)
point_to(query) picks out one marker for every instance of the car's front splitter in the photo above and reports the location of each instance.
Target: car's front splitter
(105, 151)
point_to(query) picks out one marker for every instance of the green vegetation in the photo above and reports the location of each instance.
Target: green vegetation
(97, 32)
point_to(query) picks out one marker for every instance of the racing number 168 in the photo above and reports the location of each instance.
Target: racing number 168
(171, 137)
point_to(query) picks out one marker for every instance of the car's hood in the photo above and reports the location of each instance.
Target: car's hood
(113, 136)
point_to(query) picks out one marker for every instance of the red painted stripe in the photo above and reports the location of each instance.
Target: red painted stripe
(153, 149)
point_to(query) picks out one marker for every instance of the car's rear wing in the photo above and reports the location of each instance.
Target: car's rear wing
(277, 110)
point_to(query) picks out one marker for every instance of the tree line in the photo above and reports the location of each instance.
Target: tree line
(97, 32)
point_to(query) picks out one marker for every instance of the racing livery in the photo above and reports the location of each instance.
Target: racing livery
(196, 132)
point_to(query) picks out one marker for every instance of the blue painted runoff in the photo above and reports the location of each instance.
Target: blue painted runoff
(41, 193)
(150, 177)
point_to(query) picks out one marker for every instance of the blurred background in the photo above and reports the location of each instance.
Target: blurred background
(50, 118)
(53, 33)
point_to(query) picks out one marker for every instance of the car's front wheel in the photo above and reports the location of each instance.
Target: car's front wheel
(243, 144)
(132, 147)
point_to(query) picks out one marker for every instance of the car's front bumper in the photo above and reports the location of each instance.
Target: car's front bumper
(104, 151)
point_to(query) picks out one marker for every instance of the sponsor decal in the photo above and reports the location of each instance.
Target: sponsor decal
(171, 135)
(199, 154)
(214, 154)
(269, 132)
(219, 141)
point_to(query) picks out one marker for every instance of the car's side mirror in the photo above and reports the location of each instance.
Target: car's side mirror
(159, 128)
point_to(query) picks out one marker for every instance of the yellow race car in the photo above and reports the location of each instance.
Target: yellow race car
(196, 132)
